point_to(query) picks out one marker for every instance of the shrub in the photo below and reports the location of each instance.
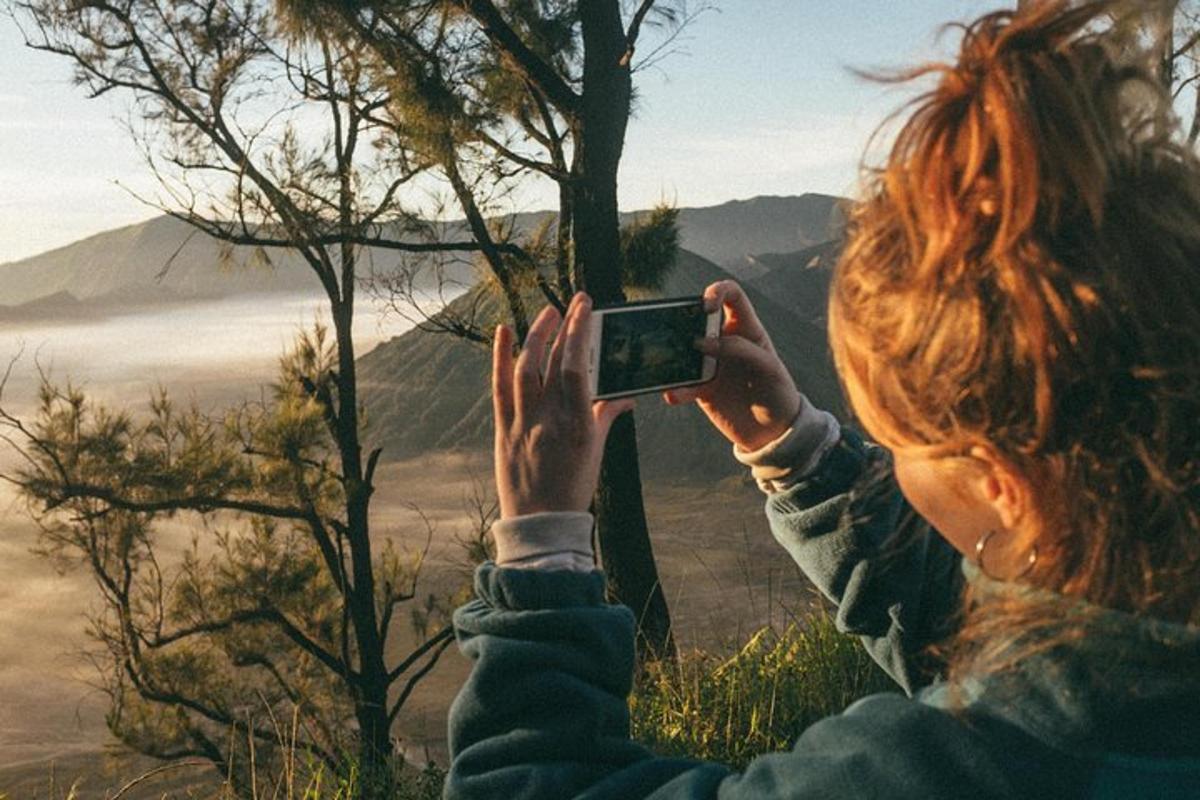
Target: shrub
(757, 701)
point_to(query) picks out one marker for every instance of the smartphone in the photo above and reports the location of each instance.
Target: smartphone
(648, 346)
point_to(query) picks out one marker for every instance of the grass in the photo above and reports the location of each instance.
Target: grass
(757, 701)
(705, 706)
(310, 782)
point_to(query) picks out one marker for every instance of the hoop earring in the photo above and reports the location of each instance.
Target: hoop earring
(981, 544)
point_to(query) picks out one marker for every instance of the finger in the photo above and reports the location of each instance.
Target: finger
(502, 378)
(574, 375)
(712, 295)
(741, 352)
(740, 316)
(681, 396)
(556, 351)
(528, 375)
(605, 412)
(710, 345)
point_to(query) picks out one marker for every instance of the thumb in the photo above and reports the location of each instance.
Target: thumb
(606, 412)
(679, 397)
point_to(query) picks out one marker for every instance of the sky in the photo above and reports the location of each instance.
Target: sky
(757, 97)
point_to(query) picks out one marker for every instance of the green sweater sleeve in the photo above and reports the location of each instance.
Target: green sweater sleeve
(897, 584)
(544, 713)
(543, 716)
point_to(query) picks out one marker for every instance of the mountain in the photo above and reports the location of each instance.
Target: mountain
(165, 260)
(728, 233)
(60, 305)
(427, 391)
(160, 255)
(801, 277)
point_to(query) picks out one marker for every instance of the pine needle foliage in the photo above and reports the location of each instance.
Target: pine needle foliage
(649, 248)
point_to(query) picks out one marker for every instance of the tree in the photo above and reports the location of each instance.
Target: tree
(1179, 62)
(536, 88)
(1167, 32)
(267, 140)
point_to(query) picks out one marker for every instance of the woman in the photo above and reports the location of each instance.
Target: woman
(1016, 319)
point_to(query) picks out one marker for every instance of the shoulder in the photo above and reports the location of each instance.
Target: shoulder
(924, 747)
(888, 745)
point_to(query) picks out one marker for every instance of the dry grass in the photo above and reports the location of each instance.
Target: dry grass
(757, 701)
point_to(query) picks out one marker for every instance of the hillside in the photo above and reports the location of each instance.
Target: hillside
(801, 279)
(429, 391)
(727, 234)
(165, 260)
(131, 260)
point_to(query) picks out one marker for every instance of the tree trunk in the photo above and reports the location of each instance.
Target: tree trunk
(599, 135)
(1166, 65)
(625, 549)
(370, 695)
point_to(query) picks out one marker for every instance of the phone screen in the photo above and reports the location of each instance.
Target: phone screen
(643, 348)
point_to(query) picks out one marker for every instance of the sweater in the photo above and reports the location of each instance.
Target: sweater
(544, 715)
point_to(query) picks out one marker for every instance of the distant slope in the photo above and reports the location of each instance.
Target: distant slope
(165, 260)
(425, 391)
(728, 233)
(60, 305)
(799, 279)
(132, 259)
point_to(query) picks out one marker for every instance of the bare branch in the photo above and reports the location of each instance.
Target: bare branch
(445, 633)
(440, 643)
(1188, 44)
(200, 503)
(528, 63)
(549, 170)
(635, 28)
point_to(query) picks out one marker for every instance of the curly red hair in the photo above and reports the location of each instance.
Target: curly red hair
(1024, 273)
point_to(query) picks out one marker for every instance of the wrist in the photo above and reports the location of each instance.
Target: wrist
(771, 423)
(552, 540)
(795, 453)
(516, 504)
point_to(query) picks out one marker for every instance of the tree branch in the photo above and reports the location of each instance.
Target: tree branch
(1191, 42)
(412, 658)
(246, 238)
(332, 662)
(199, 503)
(528, 63)
(237, 617)
(549, 170)
(635, 28)
(412, 682)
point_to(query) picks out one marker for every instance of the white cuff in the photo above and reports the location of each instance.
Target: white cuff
(793, 456)
(546, 540)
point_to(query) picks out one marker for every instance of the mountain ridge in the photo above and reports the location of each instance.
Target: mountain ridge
(426, 392)
(165, 254)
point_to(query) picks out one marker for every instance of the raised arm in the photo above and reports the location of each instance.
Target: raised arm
(832, 502)
(544, 716)
(544, 712)
(841, 517)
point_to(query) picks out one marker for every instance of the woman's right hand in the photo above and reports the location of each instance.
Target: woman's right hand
(753, 398)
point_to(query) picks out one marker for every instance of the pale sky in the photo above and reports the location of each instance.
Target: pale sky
(759, 101)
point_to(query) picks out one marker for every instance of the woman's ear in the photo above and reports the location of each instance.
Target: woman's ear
(1004, 487)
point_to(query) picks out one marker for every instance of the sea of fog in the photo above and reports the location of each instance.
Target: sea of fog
(217, 353)
(213, 353)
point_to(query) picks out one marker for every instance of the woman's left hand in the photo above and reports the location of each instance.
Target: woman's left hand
(549, 434)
